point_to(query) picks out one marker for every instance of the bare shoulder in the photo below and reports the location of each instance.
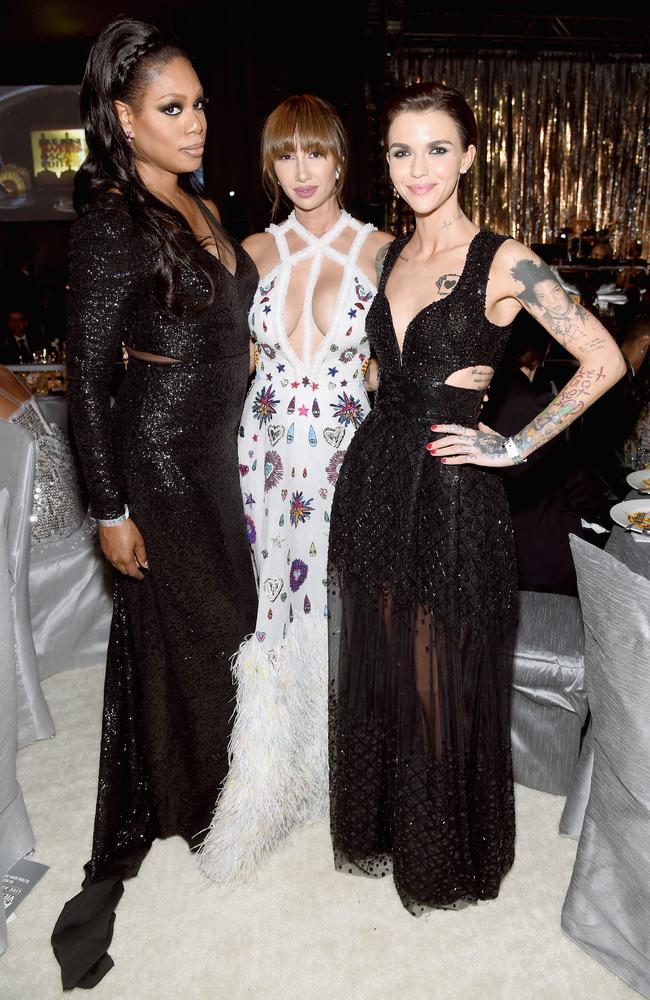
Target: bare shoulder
(208, 202)
(511, 251)
(373, 252)
(262, 248)
(376, 241)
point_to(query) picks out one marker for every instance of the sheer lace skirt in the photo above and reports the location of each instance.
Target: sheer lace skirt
(422, 603)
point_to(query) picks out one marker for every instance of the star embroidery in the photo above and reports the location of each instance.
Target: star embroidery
(305, 381)
(249, 500)
(332, 372)
(267, 309)
(352, 313)
(254, 437)
(303, 411)
(294, 385)
(344, 381)
(277, 541)
(269, 377)
(280, 368)
(314, 386)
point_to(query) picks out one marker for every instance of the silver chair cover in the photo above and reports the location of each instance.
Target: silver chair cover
(549, 705)
(71, 604)
(607, 907)
(17, 477)
(16, 837)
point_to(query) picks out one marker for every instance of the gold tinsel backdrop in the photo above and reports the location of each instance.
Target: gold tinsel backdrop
(560, 136)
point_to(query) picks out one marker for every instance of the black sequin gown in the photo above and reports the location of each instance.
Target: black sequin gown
(168, 449)
(423, 598)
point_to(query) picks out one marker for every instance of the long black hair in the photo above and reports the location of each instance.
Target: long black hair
(121, 64)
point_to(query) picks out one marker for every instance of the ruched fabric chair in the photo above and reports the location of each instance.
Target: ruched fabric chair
(549, 705)
(70, 599)
(607, 907)
(34, 721)
(16, 837)
(65, 603)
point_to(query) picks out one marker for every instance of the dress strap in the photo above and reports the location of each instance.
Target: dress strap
(357, 244)
(277, 232)
(479, 262)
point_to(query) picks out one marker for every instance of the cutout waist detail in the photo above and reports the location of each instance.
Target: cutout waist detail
(155, 358)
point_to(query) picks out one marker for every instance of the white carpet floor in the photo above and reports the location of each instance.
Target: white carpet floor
(304, 931)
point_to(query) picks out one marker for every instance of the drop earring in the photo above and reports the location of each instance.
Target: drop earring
(129, 136)
(337, 173)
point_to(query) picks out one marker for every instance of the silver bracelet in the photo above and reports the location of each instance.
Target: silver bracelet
(513, 451)
(111, 522)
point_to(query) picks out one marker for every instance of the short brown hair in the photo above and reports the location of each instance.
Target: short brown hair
(423, 97)
(310, 121)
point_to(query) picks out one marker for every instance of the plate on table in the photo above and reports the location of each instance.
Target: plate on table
(639, 480)
(621, 512)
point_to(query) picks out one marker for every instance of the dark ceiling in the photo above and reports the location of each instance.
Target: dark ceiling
(510, 25)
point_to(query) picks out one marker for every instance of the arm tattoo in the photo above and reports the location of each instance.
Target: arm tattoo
(380, 257)
(566, 406)
(545, 297)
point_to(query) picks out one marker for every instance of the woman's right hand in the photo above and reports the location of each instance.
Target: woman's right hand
(123, 546)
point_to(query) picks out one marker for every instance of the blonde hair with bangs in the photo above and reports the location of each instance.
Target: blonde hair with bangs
(310, 122)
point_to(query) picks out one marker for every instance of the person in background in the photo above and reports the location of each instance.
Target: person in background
(549, 494)
(636, 349)
(19, 343)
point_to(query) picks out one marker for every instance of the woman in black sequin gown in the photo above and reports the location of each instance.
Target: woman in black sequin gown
(185, 597)
(422, 578)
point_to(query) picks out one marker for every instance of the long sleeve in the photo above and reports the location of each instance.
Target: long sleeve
(103, 274)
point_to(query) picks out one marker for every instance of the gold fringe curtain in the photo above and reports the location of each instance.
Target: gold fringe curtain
(559, 137)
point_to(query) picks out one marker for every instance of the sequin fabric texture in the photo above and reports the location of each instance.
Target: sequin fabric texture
(57, 510)
(168, 448)
(422, 589)
(300, 416)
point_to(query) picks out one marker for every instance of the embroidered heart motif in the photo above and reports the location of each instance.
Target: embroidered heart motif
(334, 435)
(243, 469)
(272, 587)
(323, 492)
(260, 636)
(250, 454)
(276, 431)
(284, 494)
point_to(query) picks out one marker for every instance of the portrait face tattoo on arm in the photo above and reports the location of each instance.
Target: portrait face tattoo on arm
(544, 294)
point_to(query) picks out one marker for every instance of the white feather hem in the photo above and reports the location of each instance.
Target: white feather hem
(278, 777)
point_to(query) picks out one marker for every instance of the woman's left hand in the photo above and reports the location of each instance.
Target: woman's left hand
(466, 446)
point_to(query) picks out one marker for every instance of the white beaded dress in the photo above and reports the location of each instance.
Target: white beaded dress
(298, 420)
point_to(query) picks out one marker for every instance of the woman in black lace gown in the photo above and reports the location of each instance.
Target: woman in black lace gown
(423, 581)
(152, 267)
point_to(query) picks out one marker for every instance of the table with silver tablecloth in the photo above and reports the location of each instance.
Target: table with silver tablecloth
(627, 548)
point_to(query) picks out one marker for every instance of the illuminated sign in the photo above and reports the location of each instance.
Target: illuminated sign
(58, 151)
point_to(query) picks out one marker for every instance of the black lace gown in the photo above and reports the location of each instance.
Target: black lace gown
(168, 448)
(423, 599)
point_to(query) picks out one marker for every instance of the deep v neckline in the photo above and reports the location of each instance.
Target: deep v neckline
(210, 219)
(400, 244)
(316, 248)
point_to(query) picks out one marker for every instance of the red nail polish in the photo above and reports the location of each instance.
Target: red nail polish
(432, 450)
(443, 459)
(433, 427)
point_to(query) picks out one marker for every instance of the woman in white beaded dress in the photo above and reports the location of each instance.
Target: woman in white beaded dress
(306, 401)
